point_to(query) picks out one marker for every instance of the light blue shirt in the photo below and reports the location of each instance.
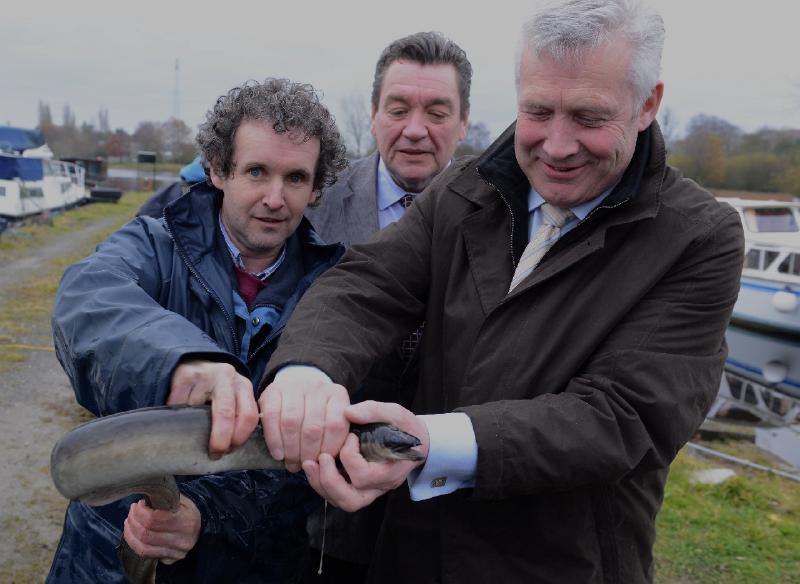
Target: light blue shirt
(389, 196)
(237, 255)
(261, 316)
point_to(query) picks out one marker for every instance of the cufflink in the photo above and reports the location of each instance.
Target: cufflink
(438, 482)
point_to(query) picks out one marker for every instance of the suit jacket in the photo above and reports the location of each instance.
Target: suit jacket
(348, 210)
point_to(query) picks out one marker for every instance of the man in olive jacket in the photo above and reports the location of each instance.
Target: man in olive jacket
(576, 291)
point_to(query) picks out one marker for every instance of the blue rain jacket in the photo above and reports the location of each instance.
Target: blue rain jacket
(155, 293)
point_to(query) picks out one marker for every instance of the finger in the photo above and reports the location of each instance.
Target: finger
(145, 550)
(181, 384)
(155, 531)
(311, 470)
(369, 411)
(246, 411)
(339, 491)
(362, 473)
(223, 414)
(337, 425)
(313, 426)
(271, 403)
(292, 411)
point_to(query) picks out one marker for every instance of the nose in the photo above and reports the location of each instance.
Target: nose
(415, 128)
(272, 196)
(560, 142)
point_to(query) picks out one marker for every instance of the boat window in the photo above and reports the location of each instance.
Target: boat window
(753, 259)
(769, 257)
(770, 219)
(790, 264)
(735, 385)
(2, 191)
(31, 192)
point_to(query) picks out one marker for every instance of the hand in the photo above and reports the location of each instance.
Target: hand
(303, 416)
(165, 535)
(234, 413)
(368, 480)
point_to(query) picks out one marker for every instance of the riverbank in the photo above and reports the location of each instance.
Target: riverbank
(36, 402)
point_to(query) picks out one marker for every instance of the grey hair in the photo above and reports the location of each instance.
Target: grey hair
(567, 30)
(289, 107)
(426, 48)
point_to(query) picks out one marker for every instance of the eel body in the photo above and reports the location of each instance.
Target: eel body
(140, 452)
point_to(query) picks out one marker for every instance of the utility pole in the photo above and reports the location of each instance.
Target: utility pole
(176, 96)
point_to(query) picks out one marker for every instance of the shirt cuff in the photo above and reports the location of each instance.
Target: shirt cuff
(302, 374)
(452, 457)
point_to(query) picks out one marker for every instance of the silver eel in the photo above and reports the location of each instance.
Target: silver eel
(140, 452)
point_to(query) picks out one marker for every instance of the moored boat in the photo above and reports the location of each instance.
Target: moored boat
(31, 180)
(769, 298)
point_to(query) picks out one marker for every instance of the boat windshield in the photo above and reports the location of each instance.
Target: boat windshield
(770, 219)
(790, 265)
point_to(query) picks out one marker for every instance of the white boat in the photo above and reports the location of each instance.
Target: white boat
(769, 298)
(29, 186)
(771, 362)
(31, 181)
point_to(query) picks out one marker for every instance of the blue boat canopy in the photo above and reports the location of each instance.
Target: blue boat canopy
(19, 139)
(23, 168)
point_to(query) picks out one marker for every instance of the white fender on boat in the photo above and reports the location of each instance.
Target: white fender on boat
(775, 371)
(784, 301)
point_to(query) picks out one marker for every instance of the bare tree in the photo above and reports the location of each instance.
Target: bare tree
(356, 125)
(668, 122)
(45, 117)
(102, 121)
(477, 139)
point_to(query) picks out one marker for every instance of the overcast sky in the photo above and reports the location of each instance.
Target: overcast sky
(738, 61)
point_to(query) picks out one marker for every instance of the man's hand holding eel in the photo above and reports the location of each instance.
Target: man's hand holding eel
(303, 416)
(164, 535)
(234, 412)
(368, 480)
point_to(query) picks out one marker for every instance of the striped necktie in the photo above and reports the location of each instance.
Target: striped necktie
(553, 219)
(406, 200)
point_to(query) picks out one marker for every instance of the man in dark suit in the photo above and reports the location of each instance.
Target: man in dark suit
(420, 108)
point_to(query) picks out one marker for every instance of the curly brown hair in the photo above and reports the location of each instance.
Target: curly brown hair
(290, 107)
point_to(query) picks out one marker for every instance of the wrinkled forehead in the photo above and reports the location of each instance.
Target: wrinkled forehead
(608, 64)
(434, 82)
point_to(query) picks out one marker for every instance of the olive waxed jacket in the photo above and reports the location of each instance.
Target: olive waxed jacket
(581, 385)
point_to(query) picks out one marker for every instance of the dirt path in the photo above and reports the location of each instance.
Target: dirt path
(36, 408)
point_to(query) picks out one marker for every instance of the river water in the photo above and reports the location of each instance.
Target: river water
(143, 180)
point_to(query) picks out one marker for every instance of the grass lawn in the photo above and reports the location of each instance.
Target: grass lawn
(26, 308)
(743, 531)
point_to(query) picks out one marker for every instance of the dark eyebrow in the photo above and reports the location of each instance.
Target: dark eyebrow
(396, 98)
(440, 101)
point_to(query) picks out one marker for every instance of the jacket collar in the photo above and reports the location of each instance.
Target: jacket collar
(359, 200)
(192, 223)
(499, 169)
(636, 197)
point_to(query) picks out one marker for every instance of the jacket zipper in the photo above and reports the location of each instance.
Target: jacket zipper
(510, 212)
(209, 291)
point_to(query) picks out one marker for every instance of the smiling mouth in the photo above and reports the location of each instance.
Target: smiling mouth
(558, 171)
(269, 220)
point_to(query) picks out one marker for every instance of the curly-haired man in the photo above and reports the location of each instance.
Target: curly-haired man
(187, 310)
